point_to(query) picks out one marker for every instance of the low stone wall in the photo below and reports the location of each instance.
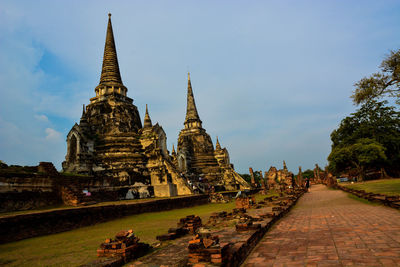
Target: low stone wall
(391, 201)
(28, 191)
(13, 228)
(27, 200)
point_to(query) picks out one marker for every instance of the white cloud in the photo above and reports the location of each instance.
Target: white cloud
(41, 118)
(267, 76)
(52, 135)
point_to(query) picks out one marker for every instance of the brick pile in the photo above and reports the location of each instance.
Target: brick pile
(246, 225)
(239, 211)
(217, 198)
(125, 245)
(233, 247)
(191, 223)
(245, 202)
(205, 247)
(270, 198)
(218, 217)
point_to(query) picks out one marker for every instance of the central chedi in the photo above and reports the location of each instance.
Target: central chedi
(196, 157)
(111, 141)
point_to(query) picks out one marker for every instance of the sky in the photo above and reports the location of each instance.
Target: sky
(271, 79)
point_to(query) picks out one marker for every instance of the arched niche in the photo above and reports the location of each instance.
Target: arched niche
(182, 163)
(72, 148)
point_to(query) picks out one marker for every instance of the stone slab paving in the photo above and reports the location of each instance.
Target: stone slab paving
(327, 228)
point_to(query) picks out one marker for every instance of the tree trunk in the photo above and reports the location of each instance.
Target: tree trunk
(384, 175)
(360, 170)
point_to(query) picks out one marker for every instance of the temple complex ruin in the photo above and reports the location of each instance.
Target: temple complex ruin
(110, 140)
(196, 156)
(280, 179)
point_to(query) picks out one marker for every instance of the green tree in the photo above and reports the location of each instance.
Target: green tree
(384, 83)
(375, 121)
(308, 173)
(246, 177)
(364, 154)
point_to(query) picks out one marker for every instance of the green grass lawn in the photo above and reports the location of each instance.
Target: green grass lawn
(79, 246)
(385, 186)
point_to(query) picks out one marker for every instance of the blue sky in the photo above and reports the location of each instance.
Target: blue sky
(271, 78)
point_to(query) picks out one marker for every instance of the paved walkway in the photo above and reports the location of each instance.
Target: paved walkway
(327, 228)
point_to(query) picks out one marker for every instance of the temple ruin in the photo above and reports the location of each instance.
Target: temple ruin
(280, 179)
(110, 140)
(196, 157)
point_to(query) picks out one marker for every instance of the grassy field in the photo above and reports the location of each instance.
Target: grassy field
(385, 186)
(79, 246)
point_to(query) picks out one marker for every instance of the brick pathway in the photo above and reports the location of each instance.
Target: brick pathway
(326, 228)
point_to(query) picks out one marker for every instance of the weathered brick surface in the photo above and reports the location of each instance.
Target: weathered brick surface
(326, 228)
(236, 244)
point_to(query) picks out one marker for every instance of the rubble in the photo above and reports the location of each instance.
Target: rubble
(125, 245)
(239, 211)
(218, 217)
(205, 247)
(246, 225)
(186, 225)
(191, 223)
(237, 234)
(217, 198)
(245, 202)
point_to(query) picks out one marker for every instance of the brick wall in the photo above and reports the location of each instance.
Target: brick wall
(24, 226)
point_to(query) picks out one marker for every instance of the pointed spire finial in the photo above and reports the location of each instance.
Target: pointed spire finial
(191, 110)
(83, 117)
(147, 121)
(110, 74)
(173, 149)
(217, 145)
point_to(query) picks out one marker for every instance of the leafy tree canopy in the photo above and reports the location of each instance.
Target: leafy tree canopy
(384, 83)
(308, 173)
(365, 153)
(369, 136)
(247, 177)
